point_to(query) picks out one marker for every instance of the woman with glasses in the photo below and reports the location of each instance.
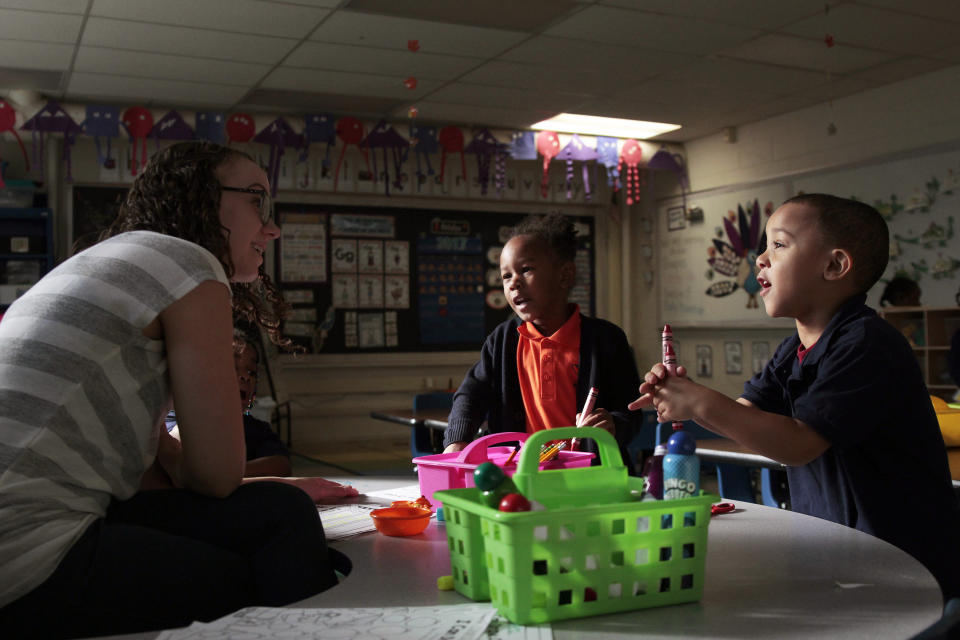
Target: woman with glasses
(108, 524)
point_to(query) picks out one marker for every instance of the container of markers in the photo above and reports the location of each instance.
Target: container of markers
(594, 548)
(455, 470)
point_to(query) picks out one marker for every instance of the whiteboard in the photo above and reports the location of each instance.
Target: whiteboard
(686, 275)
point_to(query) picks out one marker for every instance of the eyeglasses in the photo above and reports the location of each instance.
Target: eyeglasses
(265, 205)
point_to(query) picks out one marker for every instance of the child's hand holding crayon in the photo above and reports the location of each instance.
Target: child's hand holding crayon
(674, 397)
(598, 418)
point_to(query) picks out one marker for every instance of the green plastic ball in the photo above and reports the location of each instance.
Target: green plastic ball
(487, 476)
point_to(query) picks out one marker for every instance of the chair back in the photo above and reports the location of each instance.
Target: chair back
(421, 438)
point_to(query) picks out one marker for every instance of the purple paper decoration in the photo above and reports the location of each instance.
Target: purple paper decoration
(386, 138)
(210, 125)
(423, 141)
(52, 119)
(523, 146)
(576, 150)
(663, 159)
(171, 127)
(487, 147)
(609, 157)
(279, 135)
(320, 129)
(103, 122)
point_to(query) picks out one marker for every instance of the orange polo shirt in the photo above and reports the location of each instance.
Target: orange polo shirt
(548, 368)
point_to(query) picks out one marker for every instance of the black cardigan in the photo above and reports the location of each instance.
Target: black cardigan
(491, 388)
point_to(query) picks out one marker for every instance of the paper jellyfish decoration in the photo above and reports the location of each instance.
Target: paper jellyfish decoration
(630, 157)
(386, 138)
(103, 122)
(548, 145)
(240, 128)
(350, 130)
(423, 141)
(209, 125)
(607, 156)
(279, 135)
(673, 162)
(451, 141)
(138, 121)
(171, 127)
(8, 119)
(52, 119)
(318, 129)
(488, 149)
(577, 151)
(523, 146)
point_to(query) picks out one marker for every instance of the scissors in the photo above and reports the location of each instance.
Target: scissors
(722, 507)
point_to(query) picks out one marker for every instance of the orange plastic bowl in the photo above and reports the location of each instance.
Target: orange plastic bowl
(400, 521)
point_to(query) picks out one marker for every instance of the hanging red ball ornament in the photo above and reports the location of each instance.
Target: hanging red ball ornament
(829, 40)
(410, 83)
(413, 45)
(413, 112)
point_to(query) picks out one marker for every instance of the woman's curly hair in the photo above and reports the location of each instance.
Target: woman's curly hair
(178, 194)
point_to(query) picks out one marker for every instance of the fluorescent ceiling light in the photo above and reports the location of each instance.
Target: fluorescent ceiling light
(597, 126)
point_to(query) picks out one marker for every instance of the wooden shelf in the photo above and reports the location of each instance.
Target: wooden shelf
(929, 330)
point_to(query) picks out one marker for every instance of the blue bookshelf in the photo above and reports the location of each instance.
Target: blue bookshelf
(26, 250)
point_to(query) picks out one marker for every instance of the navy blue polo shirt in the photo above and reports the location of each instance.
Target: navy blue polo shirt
(886, 471)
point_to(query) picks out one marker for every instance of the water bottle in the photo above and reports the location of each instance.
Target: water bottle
(653, 474)
(681, 467)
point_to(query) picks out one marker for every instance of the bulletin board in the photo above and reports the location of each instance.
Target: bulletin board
(707, 258)
(375, 279)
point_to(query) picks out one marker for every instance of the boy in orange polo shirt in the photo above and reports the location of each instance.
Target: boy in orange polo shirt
(537, 368)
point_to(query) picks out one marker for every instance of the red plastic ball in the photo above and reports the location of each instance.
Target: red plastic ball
(514, 502)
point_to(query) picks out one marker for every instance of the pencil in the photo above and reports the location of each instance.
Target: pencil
(512, 455)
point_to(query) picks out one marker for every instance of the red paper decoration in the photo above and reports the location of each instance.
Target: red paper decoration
(138, 122)
(548, 145)
(240, 128)
(630, 155)
(350, 130)
(8, 118)
(451, 141)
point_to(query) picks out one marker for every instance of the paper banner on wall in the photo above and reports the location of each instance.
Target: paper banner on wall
(103, 122)
(278, 135)
(171, 127)
(138, 121)
(52, 118)
(576, 150)
(392, 144)
(210, 126)
(8, 120)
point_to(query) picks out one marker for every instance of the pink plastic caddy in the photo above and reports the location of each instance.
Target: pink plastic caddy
(455, 470)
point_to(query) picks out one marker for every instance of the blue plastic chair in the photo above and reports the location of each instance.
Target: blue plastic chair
(421, 438)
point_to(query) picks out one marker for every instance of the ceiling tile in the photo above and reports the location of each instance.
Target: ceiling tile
(527, 76)
(529, 15)
(680, 92)
(901, 69)
(940, 9)
(606, 59)
(35, 55)
(242, 16)
(306, 101)
(649, 31)
(39, 27)
(151, 90)
(50, 6)
(348, 27)
(155, 65)
(342, 57)
(748, 77)
(477, 116)
(483, 96)
(364, 84)
(36, 80)
(804, 53)
(881, 29)
(326, 4)
(756, 14)
(139, 36)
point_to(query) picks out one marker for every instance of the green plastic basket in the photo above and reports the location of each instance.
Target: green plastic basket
(595, 549)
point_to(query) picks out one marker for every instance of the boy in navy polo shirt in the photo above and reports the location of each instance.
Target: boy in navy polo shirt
(842, 402)
(536, 369)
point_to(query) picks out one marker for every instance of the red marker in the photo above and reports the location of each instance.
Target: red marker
(587, 410)
(669, 361)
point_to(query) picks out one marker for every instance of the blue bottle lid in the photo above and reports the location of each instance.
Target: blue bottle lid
(681, 442)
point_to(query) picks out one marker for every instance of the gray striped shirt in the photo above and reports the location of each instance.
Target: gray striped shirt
(83, 393)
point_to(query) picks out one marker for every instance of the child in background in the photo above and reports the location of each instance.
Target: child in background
(842, 402)
(901, 292)
(536, 369)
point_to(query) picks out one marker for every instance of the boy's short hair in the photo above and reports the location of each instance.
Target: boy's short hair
(856, 227)
(555, 229)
